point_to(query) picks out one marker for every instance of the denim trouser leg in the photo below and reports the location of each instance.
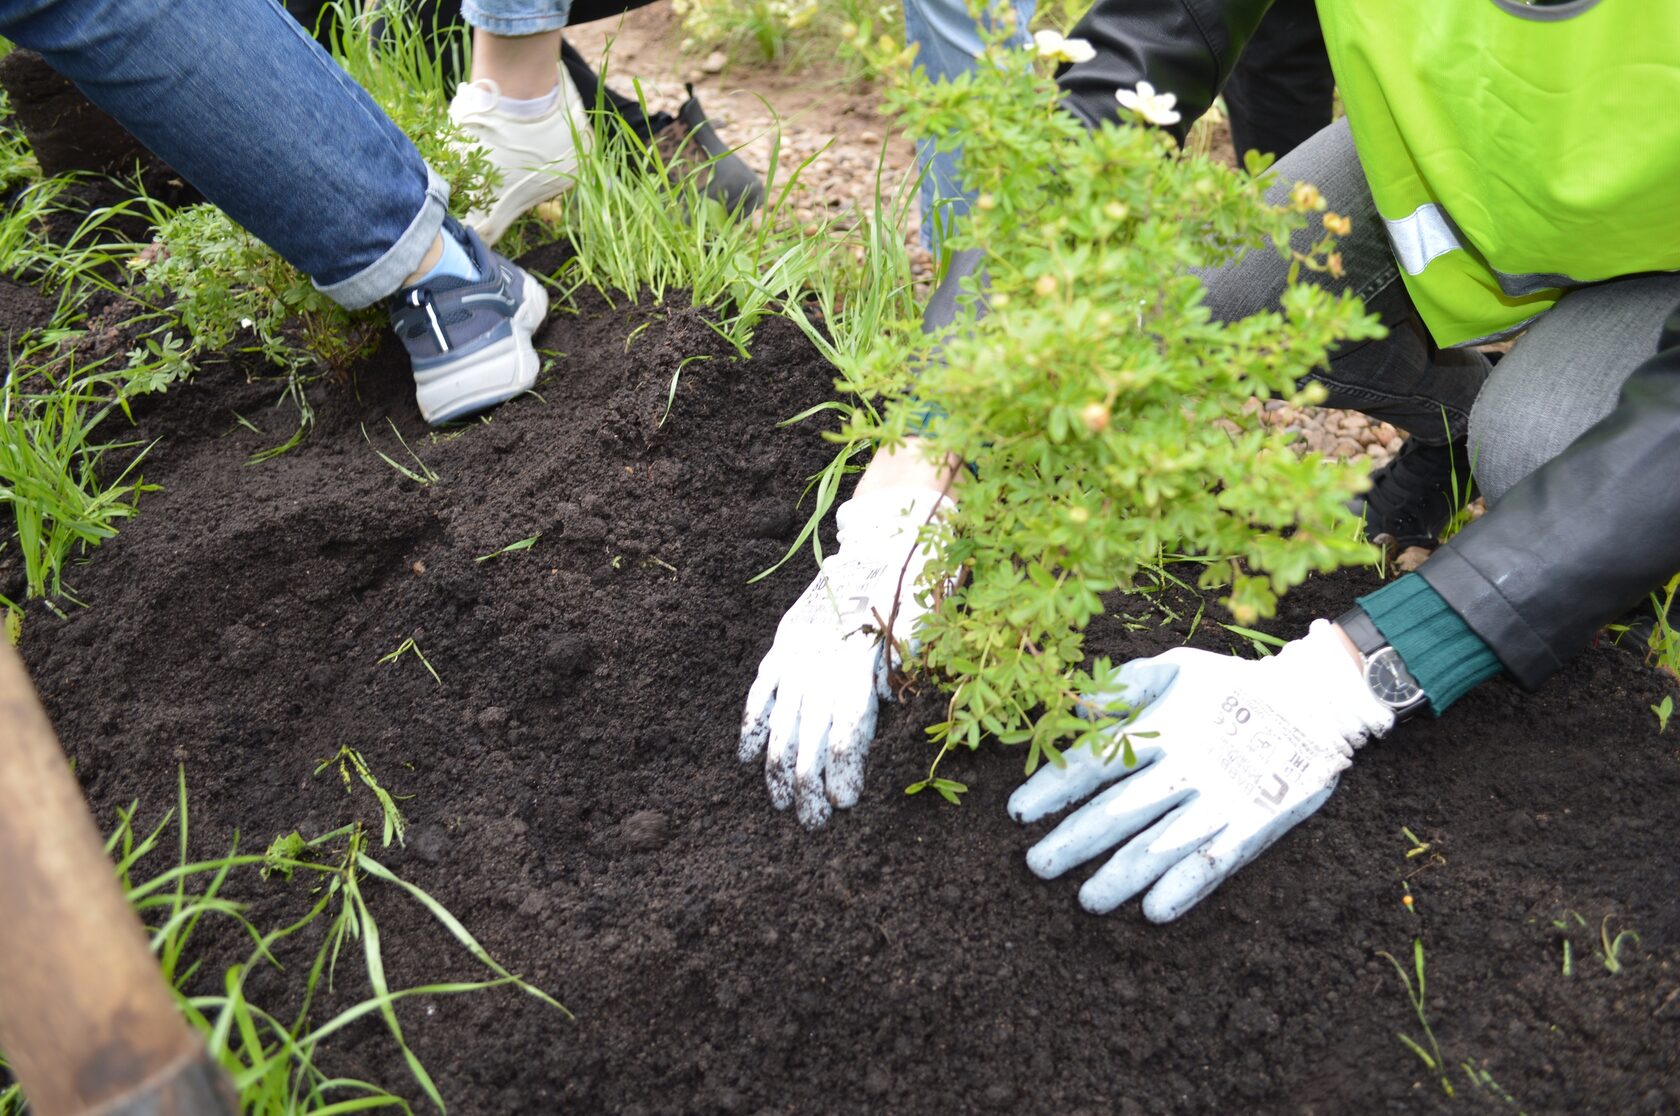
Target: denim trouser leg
(514, 18)
(947, 42)
(237, 98)
(1564, 374)
(1402, 378)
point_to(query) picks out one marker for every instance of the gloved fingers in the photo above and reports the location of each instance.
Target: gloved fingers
(1134, 867)
(755, 721)
(1107, 820)
(1195, 877)
(1142, 682)
(782, 745)
(848, 746)
(882, 660)
(1082, 771)
(810, 797)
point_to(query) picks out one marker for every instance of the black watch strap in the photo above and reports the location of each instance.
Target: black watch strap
(1356, 622)
(1385, 672)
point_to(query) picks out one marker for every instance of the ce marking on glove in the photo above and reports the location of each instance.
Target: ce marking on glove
(1235, 714)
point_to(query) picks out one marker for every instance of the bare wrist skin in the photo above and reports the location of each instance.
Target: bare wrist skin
(907, 467)
(1352, 650)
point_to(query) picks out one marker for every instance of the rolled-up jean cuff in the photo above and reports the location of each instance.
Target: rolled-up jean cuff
(383, 276)
(514, 26)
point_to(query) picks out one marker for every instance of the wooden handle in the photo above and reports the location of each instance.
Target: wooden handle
(86, 1021)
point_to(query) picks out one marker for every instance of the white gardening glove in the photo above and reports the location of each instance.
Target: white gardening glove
(816, 694)
(1242, 750)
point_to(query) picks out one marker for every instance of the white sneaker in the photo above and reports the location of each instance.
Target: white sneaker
(537, 157)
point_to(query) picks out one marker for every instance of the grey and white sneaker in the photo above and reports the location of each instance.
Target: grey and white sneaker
(470, 339)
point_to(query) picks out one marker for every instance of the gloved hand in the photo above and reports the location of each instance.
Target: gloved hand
(1243, 749)
(815, 698)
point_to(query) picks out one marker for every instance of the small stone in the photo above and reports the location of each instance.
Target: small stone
(645, 831)
(1346, 447)
(715, 62)
(418, 567)
(492, 717)
(428, 843)
(1410, 558)
(876, 1082)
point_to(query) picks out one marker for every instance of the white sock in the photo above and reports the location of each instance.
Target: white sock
(529, 109)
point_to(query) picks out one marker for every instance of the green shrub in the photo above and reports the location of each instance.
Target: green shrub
(1097, 401)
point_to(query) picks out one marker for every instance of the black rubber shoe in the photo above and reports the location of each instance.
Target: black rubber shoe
(691, 146)
(1413, 497)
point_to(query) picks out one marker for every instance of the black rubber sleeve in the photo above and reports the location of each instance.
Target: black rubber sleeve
(1581, 539)
(1184, 47)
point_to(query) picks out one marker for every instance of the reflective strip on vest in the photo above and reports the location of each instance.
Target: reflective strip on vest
(1422, 236)
(1429, 232)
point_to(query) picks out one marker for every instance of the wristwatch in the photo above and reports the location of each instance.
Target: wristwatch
(1385, 672)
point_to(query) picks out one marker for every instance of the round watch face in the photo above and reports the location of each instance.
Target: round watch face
(1390, 681)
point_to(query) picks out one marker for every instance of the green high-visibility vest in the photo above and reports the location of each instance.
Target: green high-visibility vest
(1514, 150)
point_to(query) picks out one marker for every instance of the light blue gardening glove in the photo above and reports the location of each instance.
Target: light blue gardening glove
(1231, 753)
(811, 710)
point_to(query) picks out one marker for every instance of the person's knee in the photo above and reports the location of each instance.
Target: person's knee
(1516, 425)
(1495, 445)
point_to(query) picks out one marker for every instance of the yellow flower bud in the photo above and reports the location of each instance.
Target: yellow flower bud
(985, 203)
(1045, 287)
(1337, 225)
(1095, 416)
(1116, 211)
(1080, 516)
(1305, 196)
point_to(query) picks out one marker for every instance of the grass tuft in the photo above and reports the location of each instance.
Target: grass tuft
(273, 1061)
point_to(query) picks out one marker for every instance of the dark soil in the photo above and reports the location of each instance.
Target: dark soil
(65, 130)
(577, 801)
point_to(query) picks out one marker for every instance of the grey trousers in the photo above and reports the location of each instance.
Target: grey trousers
(1560, 378)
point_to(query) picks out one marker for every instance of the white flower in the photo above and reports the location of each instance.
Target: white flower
(246, 322)
(1051, 45)
(1156, 108)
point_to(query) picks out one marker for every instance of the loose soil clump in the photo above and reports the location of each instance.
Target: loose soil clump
(576, 798)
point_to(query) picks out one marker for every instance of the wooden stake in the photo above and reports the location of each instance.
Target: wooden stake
(86, 1021)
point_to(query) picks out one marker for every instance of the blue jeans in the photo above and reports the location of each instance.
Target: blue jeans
(947, 41)
(245, 106)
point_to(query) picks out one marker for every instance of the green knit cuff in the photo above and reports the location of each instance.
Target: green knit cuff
(1437, 646)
